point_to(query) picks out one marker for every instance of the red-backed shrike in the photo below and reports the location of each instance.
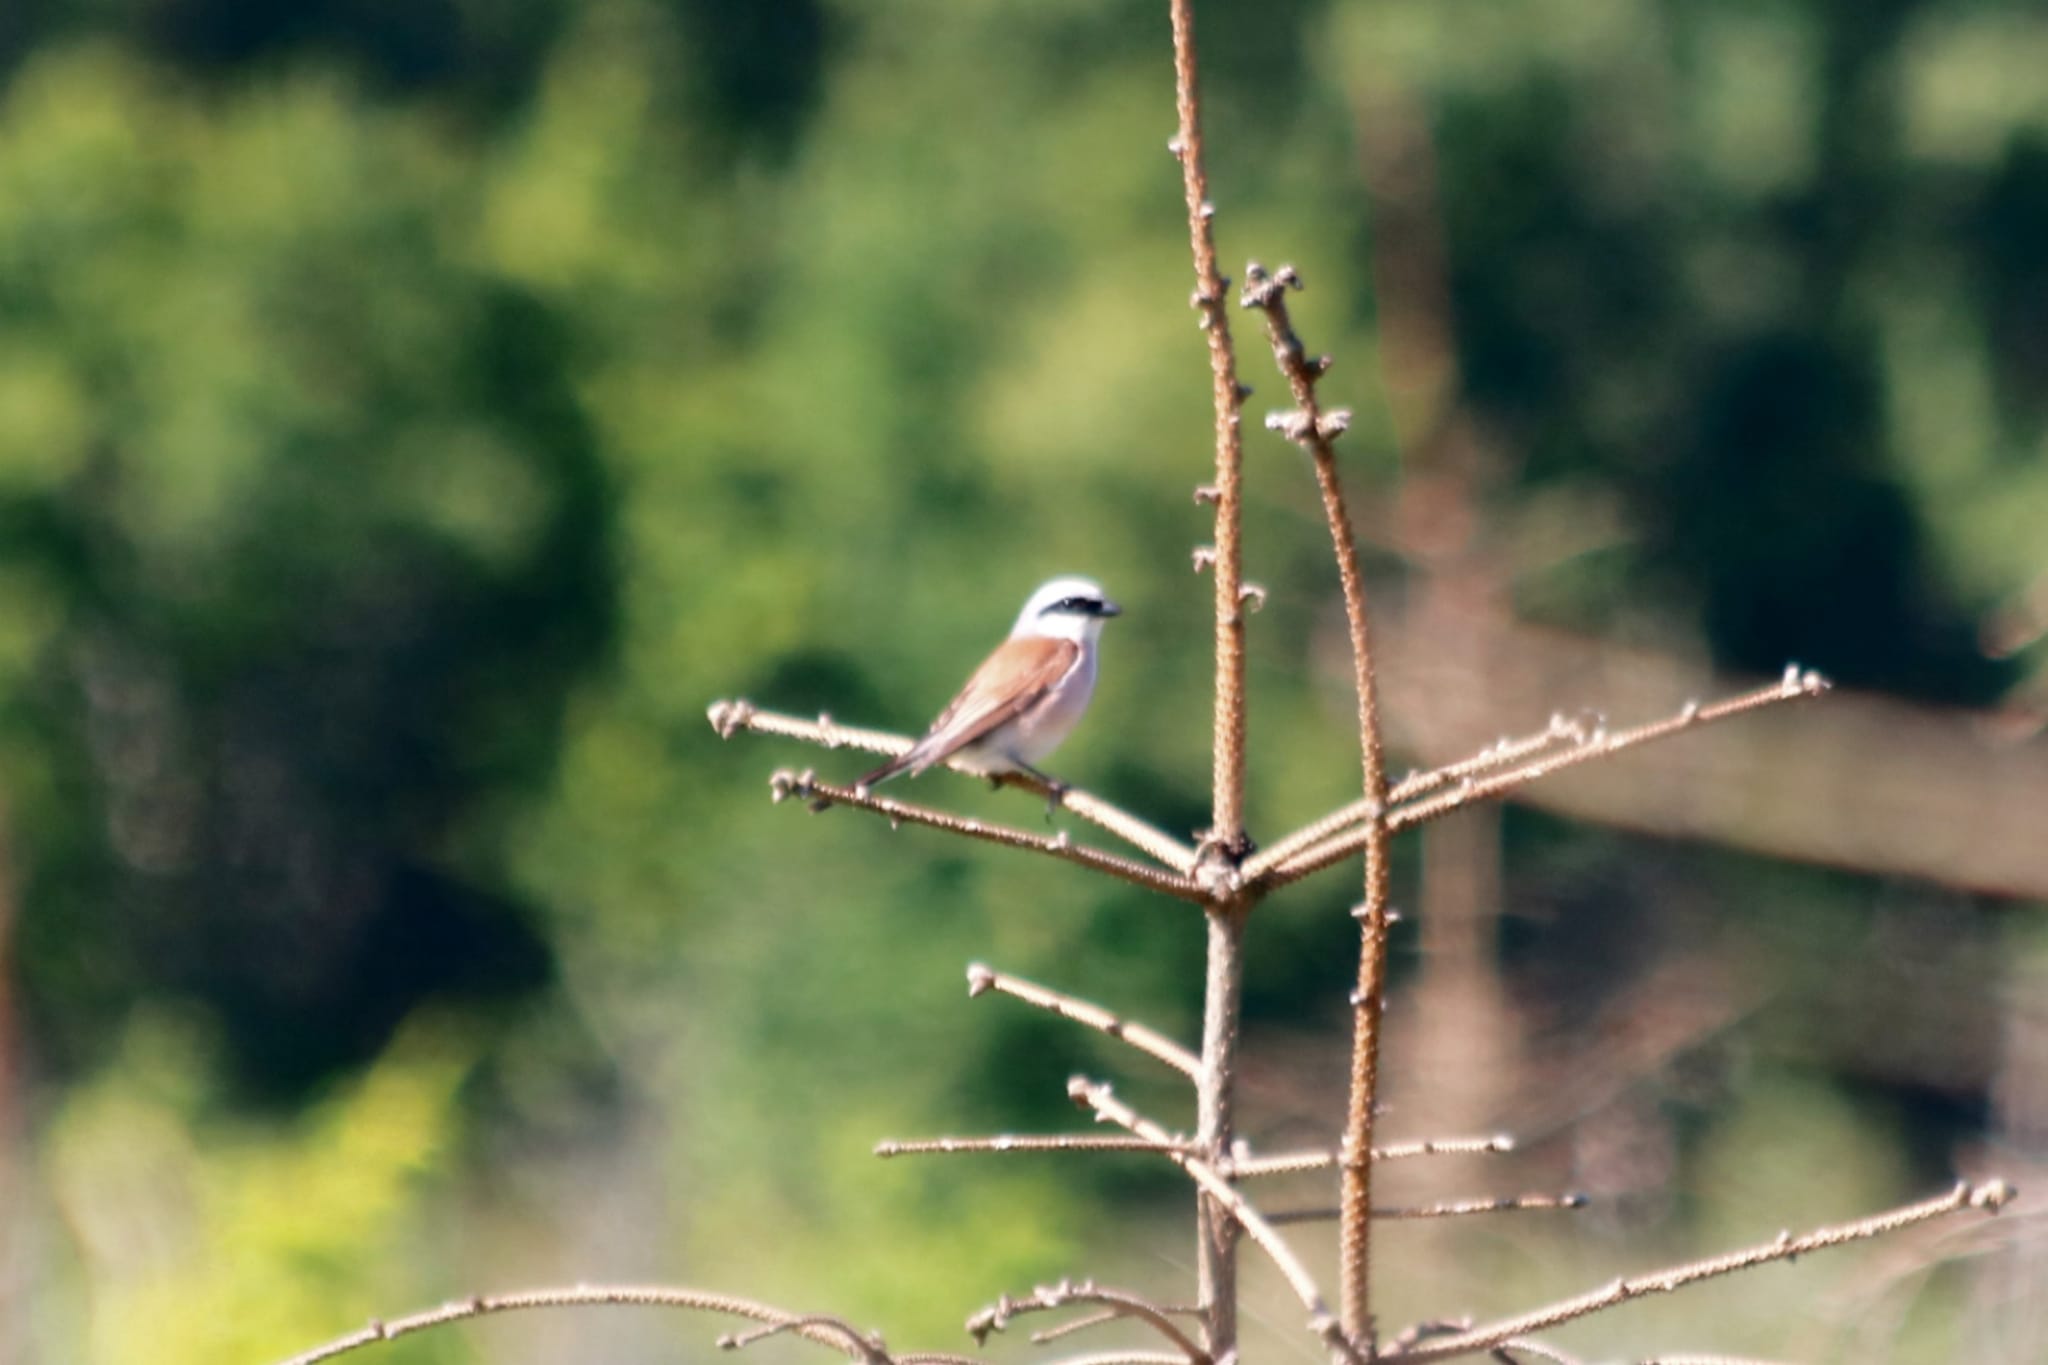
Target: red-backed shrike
(1025, 697)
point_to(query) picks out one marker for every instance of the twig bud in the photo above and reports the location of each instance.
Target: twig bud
(1204, 557)
(730, 717)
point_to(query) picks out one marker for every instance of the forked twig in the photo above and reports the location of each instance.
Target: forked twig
(1500, 754)
(1120, 1303)
(1794, 686)
(1102, 1100)
(1148, 1041)
(826, 1331)
(784, 784)
(1990, 1196)
(731, 717)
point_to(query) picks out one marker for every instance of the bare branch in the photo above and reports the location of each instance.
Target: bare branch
(1045, 1336)
(1316, 431)
(1227, 819)
(1119, 1302)
(805, 786)
(1147, 1041)
(1216, 1117)
(1524, 1346)
(1424, 1330)
(825, 1331)
(1990, 1196)
(1244, 1166)
(1452, 1208)
(1004, 1142)
(1500, 754)
(731, 717)
(1794, 686)
(1102, 1100)
(866, 1346)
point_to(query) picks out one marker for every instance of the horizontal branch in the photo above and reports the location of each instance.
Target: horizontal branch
(1103, 1102)
(1006, 1142)
(1452, 1208)
(1794, 686)
(826, 1331)
(1243, 1166)
(730, 717)
(1148, 1041)
(805, 786)
(1120, 1303)
(1990, 1196)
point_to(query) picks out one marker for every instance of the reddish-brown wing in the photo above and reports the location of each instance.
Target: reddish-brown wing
(1009, 682)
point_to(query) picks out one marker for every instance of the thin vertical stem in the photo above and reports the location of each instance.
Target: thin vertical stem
(1227, 824)
(1369, 999)
(1216, 1230)
(1316, 431)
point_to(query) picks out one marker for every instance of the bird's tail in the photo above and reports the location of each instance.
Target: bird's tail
(913, 760)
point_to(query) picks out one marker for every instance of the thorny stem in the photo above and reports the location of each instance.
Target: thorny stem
(1316, 431)
(1990, 1196)
(1227, 820)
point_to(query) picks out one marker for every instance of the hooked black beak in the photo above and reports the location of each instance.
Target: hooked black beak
(1109, 608)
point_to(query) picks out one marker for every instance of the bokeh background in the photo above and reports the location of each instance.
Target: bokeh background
(413, 414)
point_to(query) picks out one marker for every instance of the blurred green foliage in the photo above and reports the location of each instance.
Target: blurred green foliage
(412, 415)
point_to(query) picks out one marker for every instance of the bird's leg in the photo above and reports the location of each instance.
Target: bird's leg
(1055, 790)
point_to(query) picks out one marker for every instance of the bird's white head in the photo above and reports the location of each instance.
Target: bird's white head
(1069, 608)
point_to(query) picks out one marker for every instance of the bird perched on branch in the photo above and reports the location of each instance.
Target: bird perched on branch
(1025, 697)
